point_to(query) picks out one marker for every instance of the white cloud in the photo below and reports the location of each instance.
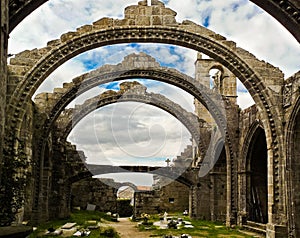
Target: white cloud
(129, 130)
(54, 18)
(260, 34)
(247, 25)
(244, 100)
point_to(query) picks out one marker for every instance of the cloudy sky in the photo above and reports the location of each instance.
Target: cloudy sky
(131, 133)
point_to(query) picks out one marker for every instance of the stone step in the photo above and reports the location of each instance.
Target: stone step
(15, 231)
(257, 225)
(257, 228)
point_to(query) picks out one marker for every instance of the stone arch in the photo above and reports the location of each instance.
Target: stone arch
(226, 79)
(217, 78)
(61, 97)
(287, 12)
(131, 185)
(293, 170)
(250, 71)
(87, 174)
(256, 165)
(134, 92)
(109, 31)
(244, 173)
(248, 138)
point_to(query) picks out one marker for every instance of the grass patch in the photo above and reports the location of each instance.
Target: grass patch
(201, 229)
(80, 218)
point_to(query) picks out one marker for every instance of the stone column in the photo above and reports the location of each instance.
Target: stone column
(276, 227)
(212, 196)
(232, 161)
(65, 201)
(242, 197)
(192, 202)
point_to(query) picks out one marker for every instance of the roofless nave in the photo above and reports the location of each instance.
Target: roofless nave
(262, 158)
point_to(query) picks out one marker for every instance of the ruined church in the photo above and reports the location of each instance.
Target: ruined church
(242, 167)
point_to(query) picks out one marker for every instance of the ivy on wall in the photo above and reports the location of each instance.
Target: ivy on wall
(13, 180)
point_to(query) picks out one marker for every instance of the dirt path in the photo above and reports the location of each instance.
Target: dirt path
(128, 229)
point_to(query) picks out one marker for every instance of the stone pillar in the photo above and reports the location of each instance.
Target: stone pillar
(192, 202)
(229, 217)
(4, 21)
(64, 206)
(242, 198)
(277, 223)
(199, 199)
(212, 197)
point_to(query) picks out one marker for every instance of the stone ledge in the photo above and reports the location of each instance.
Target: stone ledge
(15, 231)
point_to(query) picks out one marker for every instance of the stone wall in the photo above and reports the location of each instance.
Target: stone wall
(173, 197)
(291, 104)
(65, 165)
(93, 191)
(147, 202)
(209, 195)
(27, 136)
(3, 70)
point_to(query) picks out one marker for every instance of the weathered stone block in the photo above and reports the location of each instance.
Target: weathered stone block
(84, 29)
(131, 22)
(142, 11)
(17, 70)
(143, 21)
(53, 43)
(143, 3)
(156, 20)
(68, 36)
(131, 10)
(157, 3)
(22, 61)
(156, 10)
(169, 20)
(104, 22)
(168, 11)
(123, 22)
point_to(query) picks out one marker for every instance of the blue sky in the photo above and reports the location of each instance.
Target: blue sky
(237, 20)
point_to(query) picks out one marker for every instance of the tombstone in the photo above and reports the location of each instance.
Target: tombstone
(68, 225)
(90, 207)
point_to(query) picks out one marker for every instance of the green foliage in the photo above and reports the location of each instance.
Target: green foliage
(13, 179)
(80, 217)
(110, 232)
